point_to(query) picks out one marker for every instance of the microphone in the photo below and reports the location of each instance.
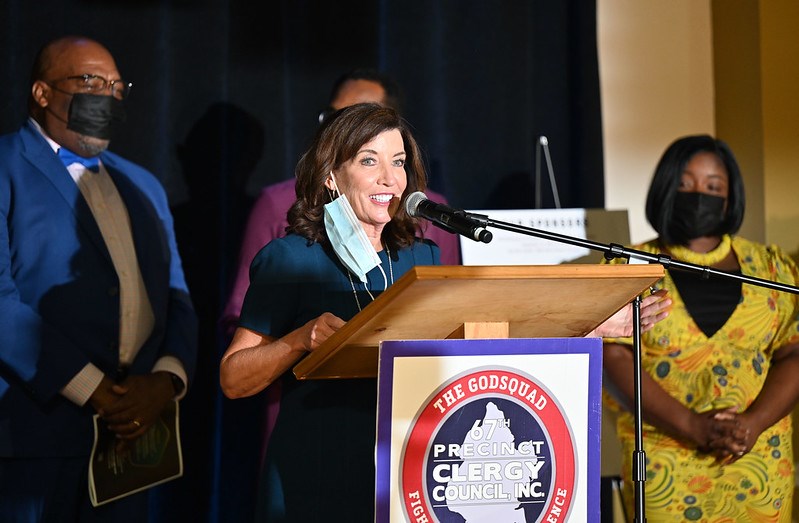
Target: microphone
(447, 218)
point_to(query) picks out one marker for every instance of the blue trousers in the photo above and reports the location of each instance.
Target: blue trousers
(44, 490)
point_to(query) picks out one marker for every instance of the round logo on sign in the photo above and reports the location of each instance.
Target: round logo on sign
(490, 445)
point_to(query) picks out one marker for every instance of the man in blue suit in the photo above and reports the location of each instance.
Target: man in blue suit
(95, 316)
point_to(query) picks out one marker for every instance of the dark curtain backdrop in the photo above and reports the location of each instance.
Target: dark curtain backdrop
(225, 100)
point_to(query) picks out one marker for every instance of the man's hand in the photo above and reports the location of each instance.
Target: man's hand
(104, 396)
(142, 398)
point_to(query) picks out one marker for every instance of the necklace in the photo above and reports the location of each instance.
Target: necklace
(713, 257)
(352, 284)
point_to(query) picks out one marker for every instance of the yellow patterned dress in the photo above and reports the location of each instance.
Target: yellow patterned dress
(726, 370)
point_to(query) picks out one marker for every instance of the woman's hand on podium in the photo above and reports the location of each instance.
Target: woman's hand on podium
(254, 360)
(654, 308)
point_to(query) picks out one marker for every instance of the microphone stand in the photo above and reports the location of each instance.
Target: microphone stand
(612, 251)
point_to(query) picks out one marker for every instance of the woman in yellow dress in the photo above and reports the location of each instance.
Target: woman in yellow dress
(721, 373)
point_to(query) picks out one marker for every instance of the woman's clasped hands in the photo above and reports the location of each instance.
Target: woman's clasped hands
(725, 434)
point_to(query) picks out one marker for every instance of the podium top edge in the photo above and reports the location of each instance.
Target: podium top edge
(423, 272)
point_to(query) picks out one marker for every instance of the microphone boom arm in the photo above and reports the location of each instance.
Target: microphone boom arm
(614, 250)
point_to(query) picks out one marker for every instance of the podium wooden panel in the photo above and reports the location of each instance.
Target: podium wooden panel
(435, 302)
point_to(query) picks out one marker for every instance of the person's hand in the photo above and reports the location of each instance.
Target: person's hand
(723, 433)
(654, 308)
(734, 443)
(142, 399)
(316, 331)
(708, 429)
(104, 396)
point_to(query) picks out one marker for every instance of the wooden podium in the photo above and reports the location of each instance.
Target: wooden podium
(440, 302)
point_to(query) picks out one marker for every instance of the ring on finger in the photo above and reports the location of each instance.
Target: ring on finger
(137, 423)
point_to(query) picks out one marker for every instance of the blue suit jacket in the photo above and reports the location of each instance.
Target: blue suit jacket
(59, 293)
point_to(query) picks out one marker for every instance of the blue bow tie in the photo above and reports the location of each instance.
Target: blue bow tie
(68, 158)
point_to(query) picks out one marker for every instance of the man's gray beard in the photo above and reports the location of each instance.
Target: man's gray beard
(91, 146)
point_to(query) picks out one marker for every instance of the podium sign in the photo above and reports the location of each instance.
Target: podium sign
(489, 430)
(510, 248)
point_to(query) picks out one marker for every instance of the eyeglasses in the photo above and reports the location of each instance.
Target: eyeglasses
(91, 83)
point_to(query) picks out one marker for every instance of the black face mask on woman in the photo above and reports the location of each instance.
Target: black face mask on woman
(95, 115)
(696, 214)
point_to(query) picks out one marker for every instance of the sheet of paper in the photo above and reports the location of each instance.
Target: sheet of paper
(156, 457)
(508, 248)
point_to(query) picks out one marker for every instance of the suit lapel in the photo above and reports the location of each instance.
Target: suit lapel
(41, 157)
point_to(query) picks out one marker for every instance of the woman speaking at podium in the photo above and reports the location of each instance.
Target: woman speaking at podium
(349, 239)
(720, 374)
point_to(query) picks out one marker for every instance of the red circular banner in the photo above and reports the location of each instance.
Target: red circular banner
(503, 384)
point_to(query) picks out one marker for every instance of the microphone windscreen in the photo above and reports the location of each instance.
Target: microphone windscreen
(412, 202)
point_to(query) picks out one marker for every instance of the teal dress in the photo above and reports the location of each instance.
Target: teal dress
(320, 460)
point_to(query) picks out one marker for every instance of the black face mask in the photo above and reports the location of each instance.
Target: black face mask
(696, 214)
(95, 115)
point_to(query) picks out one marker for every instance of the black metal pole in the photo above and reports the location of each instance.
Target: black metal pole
(639, 454)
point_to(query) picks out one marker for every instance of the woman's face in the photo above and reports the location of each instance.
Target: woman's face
(374, 180)
(705, 173)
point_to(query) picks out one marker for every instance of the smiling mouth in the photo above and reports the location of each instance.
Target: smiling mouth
(382, 198)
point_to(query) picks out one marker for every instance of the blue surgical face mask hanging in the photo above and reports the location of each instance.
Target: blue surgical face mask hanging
(348, 239)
